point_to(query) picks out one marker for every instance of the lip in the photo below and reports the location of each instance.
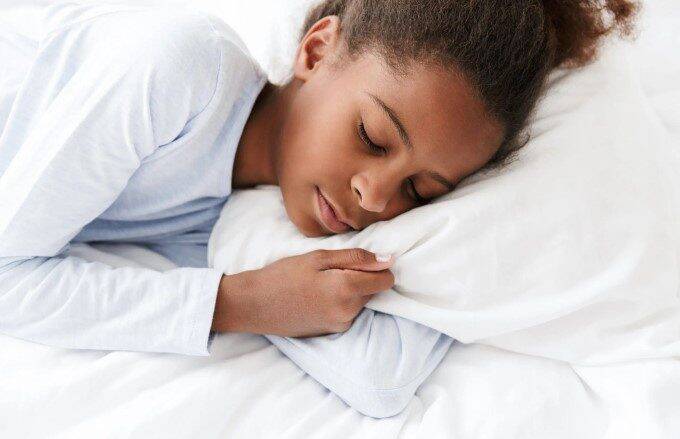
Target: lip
(328, 216)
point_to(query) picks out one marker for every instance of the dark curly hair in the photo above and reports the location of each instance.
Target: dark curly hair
(504, 48)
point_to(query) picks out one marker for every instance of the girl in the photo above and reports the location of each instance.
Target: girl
(134, 123)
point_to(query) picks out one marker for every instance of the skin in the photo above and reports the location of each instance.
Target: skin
(305, 134)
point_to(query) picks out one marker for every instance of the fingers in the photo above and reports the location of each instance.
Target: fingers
(363, 283)
(351, 259)
(363, 300)
(351, 290)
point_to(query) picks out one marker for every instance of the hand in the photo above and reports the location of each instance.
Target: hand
(316, 293)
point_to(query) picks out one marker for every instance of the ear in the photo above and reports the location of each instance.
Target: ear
(319, 44)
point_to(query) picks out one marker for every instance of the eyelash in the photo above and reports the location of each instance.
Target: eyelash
(382, 151)
(372, 146)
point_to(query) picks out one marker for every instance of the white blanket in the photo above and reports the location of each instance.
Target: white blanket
(247, 389)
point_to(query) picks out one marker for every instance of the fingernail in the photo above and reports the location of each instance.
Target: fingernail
(382, 258)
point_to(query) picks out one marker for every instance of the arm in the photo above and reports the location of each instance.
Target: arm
(93, 107)
(373, 361)
(376, 366)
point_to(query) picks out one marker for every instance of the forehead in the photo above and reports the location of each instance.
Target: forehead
(446, 122)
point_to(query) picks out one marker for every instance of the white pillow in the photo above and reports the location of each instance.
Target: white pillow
(270, 29)
(569, 253)
(655, 56)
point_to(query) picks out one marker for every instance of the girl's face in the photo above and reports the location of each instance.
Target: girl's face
(374, 144)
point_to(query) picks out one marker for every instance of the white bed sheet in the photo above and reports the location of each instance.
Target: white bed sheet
(248, 389)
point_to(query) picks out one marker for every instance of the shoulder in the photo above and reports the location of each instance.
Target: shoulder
(172, 61)
(175, 34)
(172, 39)
(179, 45)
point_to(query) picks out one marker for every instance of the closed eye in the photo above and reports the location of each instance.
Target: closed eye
(367, 140)
(416, 195)
(379, 150)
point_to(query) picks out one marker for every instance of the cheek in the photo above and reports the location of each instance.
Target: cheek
(316, 147)
(297, 189)
(316, 140)
(304, 157)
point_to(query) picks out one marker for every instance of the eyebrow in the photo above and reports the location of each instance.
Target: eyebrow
(405, 137)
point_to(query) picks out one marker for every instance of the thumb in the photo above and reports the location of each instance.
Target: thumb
(354, 259)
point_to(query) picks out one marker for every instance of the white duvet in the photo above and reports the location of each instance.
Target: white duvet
(248, 389)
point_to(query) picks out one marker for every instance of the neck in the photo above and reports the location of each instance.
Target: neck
(255, 156)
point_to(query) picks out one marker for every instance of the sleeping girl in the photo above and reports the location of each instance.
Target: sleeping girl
(129, 123)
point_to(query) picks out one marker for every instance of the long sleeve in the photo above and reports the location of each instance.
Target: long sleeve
(376, 366)
(104, 92)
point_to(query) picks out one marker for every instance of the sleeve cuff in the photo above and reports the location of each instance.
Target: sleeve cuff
(201, 335)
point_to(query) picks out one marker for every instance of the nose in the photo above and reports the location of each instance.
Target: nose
(374, 190)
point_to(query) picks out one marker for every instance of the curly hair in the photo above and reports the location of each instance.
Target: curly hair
(504, 48)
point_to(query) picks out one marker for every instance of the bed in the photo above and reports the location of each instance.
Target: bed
(247, 388)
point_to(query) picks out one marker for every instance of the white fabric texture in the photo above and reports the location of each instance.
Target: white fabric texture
(247, 389)
(376, 366)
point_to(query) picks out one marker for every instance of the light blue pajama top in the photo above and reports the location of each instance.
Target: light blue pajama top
(120, 123)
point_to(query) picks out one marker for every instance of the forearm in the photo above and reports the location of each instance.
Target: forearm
(376, 366)
(71, 303)
(233, 312)
(224, 306)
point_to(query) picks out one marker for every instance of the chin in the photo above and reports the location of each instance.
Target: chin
(313, 234)
(311, 229)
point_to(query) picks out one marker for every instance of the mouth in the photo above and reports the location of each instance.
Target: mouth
(327, 216)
